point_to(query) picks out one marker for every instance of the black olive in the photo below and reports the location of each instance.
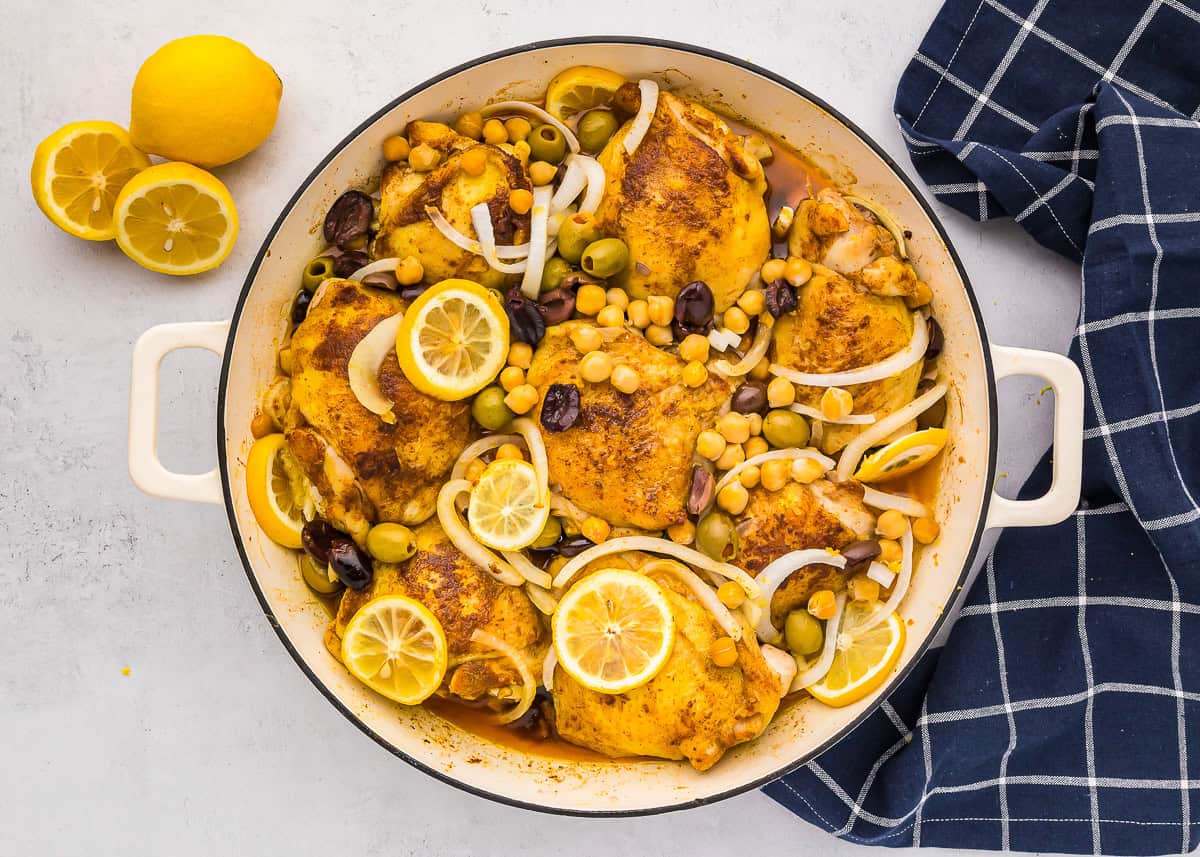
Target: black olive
(351, 564)
(556, 306)
(560, 408)
(349, 262)
(859, 553)
(349, 217)
(779, 298)
(300, 307)
(411, 293)
(694, 307)
(700, 496)
(524, 318)
(318, 539)
(750, 398)
(382, 280)
(574, 546)
(937, 340)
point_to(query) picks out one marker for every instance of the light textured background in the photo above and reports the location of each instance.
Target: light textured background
(215, 743)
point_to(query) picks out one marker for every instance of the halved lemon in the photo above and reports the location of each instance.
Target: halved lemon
(396, 647)
(508, 508)
(271, 485)
(453, 340)
(864, 659)
(613, 631)
(176, 219)
(580, 88)
(78, 172)
(901, 456)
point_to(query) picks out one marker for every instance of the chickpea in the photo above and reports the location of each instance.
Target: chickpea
(520, 200)
(780, 393)
(775, 474)
(611, 316)
(473, 161)
(518, 128)
(733, 455)
(822, 604)
(891, 524)
(470, 125)
(509, 451)
(805, 470)
(731, 594)
(694, 374)
(595, 529)
(590, 299)
(710, 444)
(521, 399)
(262, 425)
(761, 370)
(662, 310)
(772, 270)
(734, 427)
(587, 339)
(890, 551)
(474, 469)
(756, 445)
(733, 498)
(639, 314)
(659, 335)
(520, 151)
(512, 377)
(926, 530)
(596, 366)
(736, 320)
(520, 354)
(542, 173)
(836, 403)
(617, 297)
(683, 533)
(395, 148)
(798, 271)
(863, 588)
(723, 652)
(424, 158)
(409, 271)
(694, 348)
(750, 476)
(494, 132)
(626, 380)
(752, 302)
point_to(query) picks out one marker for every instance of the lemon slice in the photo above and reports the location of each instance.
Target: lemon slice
(863, 660)
(508, 509)
(396, 647)
(271, 486)
(580, 88)
(453, 340)
(78, 172)
(909, 453)
(613, 631)
(176, 219)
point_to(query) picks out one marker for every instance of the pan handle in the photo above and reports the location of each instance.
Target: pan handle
(1060, 501)
(147, 471)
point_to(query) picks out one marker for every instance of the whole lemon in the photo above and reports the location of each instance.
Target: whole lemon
(207, 100)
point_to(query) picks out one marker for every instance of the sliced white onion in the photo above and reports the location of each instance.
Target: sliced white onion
(893, 365)
(704, 593)
(779, 570)
(542, 599)
(773, 455)
(528, 685)
(881, 574)
(782, 664)
(535, 111)
(539, 220)
(899, 589)
(529, 431)
(527, 569)
(641, 122)
(462, 539)
(481, 219)
(548, 665)
(478, 448)
(903, 505)
(376, 267)
(817, 671)
(884, 218)
(848, 420)
(444, 226)
(723, 339)
(363, 368)
(573, 182)
(650, 544)
(595, 184)
(757, 351)
(853, 453)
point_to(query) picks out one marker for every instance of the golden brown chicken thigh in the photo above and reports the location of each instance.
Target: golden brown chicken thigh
(688, 202)
(628, 457)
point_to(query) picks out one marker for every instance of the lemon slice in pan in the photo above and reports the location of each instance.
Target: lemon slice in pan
(580, 88)
(270, 489)
(864, 659)
(901, 456)
(396, 647)
(508, 509)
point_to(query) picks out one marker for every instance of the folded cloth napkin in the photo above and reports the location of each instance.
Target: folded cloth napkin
(1063, 712)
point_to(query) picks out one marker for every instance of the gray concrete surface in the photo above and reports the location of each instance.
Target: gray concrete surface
(214, 743)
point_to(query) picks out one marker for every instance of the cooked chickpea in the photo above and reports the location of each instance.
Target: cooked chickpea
(756, 445)
(424, 158)
(611, 316)
(710, 444)
(470, 125)
(683, 533)
(863, 588)
(626, 380)
(797, 271)
(775, 474)
(659, 335)
(772, 270)
(752, 302)
(512, 377)
(736, 320)
(520, 354)
(595, 529)
(731, 594)
(780, 393)
(694, 347)
(805, 470)
(521, 399)
(509, 451)
(475, 468)
(891, 524)
(756, 424)
(587, 339)
(639, 313)
(723, 652)
(617, 297)
(734, 427)
(695, 374)
(542, 173)
(409, 271)
(590, 299)
(395, 148)
(733, 455)
(921, 295)
(596, 366)
(822, 604)
(836, 403)
(926, 530)
(520, 200)
(750, 476)
(262, 425)
(890, 551)
(662, 309)
(733, 498)
(761, 370)
(518, 128)
(494, 132)
(520, 151)
(473, 161)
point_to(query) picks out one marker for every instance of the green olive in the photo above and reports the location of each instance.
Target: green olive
(554, 273)
(391, 542)
(605, 258)
(803, 634)
(551, 533)
(576, 233)
(317, 576)
(546, 143)
(320, 268)
(489, 409)
(717, 536)
(595, 128)
(783, 428)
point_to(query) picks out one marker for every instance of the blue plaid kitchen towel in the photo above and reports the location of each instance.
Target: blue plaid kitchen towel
(1063, 713)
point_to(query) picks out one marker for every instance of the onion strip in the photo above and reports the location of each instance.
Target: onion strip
(595, 184)
(528, 685)
(817, 671)
(853, 453)
(462, 539)
(756, 352)
(848, 420)
(444, 226)
(548, 665)
(704, 593)
(641, 122)
(899, 588)
(881, 574)
(375, 267)
(903, 505)
(542, 599)
(528, 430)
(773, 455)
(537, 112)
(539, 232)
(779, 570)
(894, 365)
(573, 182)
(527, 569)
(884, 218)
(481, 219)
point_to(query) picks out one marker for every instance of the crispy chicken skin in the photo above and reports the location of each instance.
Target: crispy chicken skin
(692, 709)
(365, 469)
(689, 203)
(463, 597)
(628, 457)
(405, 228)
